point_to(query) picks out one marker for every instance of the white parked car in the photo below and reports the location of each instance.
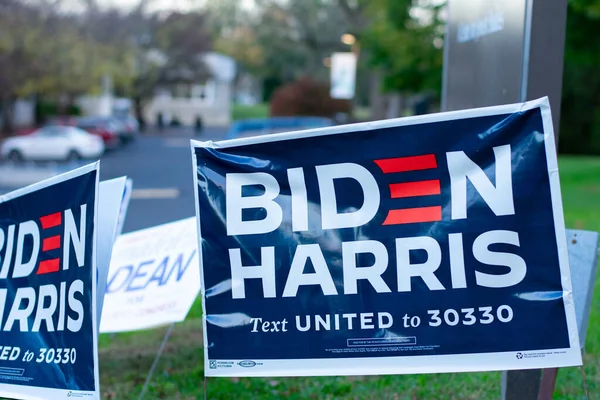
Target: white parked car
(53, 143)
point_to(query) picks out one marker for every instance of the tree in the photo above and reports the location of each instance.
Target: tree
(182, 38)
(49, 53)
(279, 40)
(308, 98)
(169, 50)
(75, 62)
(141, 50)
(406, 40)
(580, 119)
(18, 61)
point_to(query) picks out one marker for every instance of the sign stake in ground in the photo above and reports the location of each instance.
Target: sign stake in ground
(156, 360)
(504, 51)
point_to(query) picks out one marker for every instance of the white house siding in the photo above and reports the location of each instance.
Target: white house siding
(96, 106)
(211, 101)
(24, 113)
(214, 111)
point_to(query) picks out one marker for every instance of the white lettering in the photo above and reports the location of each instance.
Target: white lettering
(22, 268)
(45, 313)
(320, 322)
(74, 325)
(425, 270)
(74, 237)
(515, 263)
(8, 252)
(349, 318)
(382, 324)
(60, 326)
(299, 199)
(21, 314)
(372, 273)
(264, 271)
(499, 198)
(331, 219)
(299, 324)
(457, 261)
(297, 277)
(366, 321)
(3, 295)
(235, 203)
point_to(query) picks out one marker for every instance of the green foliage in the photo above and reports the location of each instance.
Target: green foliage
(49, 53)
(53, 54)
(405, 42)
(401, 40)
(44, 110)
(590, 8)
(580, 119)
(280, 40)
(245, 112)
(270, 84)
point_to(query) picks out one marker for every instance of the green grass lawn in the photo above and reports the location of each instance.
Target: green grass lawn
(244, 112)
(125, 360)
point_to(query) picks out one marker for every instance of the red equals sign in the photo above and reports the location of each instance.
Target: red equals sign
(411, 189)
(50, 243)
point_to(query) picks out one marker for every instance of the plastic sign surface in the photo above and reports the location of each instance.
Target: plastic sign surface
(113, 203)
(426, 244)
(153, 278)
(48, 346)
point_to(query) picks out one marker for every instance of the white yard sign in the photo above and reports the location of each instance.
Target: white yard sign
(153, 278)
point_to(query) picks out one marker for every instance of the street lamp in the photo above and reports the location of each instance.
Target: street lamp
(348, 38)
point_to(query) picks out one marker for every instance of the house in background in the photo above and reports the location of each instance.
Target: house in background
(248, 89)
(185, 101)
(22, 113)
(185, 95)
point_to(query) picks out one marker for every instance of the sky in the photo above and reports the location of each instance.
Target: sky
(163, 5)
(154, 5)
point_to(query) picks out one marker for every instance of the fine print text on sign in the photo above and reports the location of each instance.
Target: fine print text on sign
(428, 244)
(48, 340)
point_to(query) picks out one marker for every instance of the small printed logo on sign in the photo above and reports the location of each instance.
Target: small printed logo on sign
(78, 395)
(519, 356)
(247, 364)
(212, 364)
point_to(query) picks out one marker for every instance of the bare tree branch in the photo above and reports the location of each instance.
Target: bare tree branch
(355, 15)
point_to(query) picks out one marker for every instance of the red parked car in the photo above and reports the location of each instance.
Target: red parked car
(103, 127)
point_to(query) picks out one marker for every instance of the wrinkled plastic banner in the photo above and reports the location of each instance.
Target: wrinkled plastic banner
(48, 344)
(153, 278)
(418, 245)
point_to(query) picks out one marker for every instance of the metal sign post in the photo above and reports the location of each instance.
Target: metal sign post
(583, 260)
(156, 360)
(504, 51)
(500, 52)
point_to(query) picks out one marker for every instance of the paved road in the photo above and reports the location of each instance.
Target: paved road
(161, 170)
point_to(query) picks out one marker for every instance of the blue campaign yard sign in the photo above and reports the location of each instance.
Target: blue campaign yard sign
(48, 345)
(425, 244)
